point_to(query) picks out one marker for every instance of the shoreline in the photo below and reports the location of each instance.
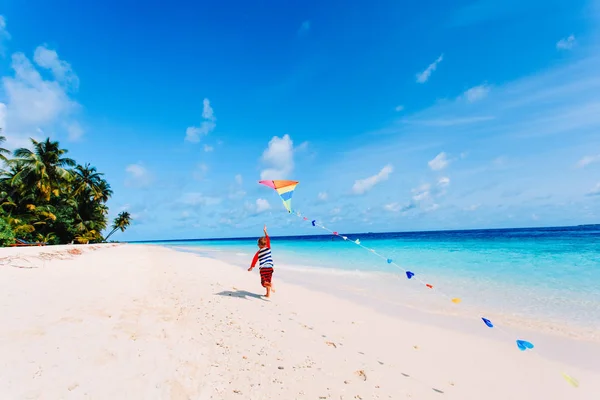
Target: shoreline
(146, 321)
(551, 335)
(391, 290)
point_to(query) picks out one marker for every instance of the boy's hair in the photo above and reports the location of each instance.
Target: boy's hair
(262, 242)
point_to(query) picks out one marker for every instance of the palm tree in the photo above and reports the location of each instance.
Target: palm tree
(90, 219)
(48, 238)
(42, 198)
(88, 180)
(104, 191)
(44, 167)
(122, 221)
(3, 151)
(9, 181)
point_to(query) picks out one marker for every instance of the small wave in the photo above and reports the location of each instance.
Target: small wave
(196, 249)
(335, 271)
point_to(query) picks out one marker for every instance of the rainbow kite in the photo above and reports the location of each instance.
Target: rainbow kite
(285, 189)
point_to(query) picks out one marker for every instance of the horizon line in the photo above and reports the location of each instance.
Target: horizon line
(362, 233)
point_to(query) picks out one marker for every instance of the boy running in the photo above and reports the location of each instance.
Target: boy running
(263, 256)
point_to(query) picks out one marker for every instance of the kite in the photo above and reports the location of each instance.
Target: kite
(285, 189)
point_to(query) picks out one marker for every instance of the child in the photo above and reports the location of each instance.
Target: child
(263, 256)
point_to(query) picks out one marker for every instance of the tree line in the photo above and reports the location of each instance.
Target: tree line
(48, 197)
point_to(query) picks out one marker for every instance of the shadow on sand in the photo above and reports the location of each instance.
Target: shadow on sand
(242, 294)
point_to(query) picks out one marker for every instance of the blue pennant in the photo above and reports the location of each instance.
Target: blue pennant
(389, 260)
(488, 322)
(409, 274)
(314, 223)
(524, 345)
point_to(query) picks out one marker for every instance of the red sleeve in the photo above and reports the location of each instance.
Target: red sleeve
(254, 260)
(268, 241)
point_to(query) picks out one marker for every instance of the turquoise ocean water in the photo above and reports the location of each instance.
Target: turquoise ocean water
(550, 274)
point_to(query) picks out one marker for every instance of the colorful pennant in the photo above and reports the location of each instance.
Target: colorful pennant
(524, 345)
(488, 322)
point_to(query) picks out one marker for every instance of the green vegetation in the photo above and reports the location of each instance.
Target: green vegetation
(48, 197)
(121, 222)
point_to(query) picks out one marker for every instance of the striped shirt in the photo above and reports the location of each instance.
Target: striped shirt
(263, 256)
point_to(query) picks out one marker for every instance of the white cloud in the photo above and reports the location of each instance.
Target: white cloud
(199, 199)
(195, 133)
(448, 122)
(200, 171)
(34, 104)
(595, 191)
(304, 28)
(303, 147)
(423, 197)
(439, 162)
(4, 35)
(262, 205)
(3, 118)
(279, 158)
(444, 181)
(238, 179)
(422, 193)
(208, 148)
(322, 196)
(535, 217)
(472, 207)
(432, 207)
(587, 160)
(364, 185)
(253, 209)
(62, 71)
(566, 43)
(75, 131)
(394, 207)
(207, 111)
(397, 207)
(477, 93)
(138, 176)
(399, 108)
(31, 99)
(136, 170)
(424, 76)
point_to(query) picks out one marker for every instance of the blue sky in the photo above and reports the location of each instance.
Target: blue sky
(392, 115)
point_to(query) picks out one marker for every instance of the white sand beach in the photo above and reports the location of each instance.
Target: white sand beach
(148, 322)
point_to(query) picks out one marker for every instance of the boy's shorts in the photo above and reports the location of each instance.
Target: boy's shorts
(266, 274)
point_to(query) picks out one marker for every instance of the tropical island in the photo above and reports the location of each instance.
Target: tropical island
(49, 198)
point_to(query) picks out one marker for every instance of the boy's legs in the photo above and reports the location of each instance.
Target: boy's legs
(265, 278)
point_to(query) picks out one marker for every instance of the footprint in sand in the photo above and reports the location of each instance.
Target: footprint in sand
(177, 391)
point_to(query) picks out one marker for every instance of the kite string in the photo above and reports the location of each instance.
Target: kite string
(397, 266)
(520, 343)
